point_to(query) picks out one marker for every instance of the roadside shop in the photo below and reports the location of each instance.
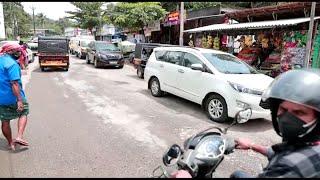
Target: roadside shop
(273, 46)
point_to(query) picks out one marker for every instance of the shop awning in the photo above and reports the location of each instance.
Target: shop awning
(251, 25)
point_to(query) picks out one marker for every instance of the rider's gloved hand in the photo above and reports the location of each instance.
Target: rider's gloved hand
(181, 174)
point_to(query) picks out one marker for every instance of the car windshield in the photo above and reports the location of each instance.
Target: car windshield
(107, 47)
(229, 64)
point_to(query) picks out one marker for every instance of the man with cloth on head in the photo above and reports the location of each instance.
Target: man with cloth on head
(13, 102)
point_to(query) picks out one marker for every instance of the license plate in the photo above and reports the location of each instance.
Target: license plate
(113, 62)
(53, 62)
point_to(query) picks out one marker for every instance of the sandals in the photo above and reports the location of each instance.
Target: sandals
(11, 147)
(21, 142)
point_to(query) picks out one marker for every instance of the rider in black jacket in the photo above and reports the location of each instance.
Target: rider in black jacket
(294, 102)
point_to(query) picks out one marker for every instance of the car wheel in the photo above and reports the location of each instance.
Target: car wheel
(87, 59)
(140, 72)
(42, 68)
(120, 67)
(95, 63)
(216, 108)
(155, 87)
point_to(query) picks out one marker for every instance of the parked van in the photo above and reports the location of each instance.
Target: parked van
(81, 47)
(72, 44)
(220, 82)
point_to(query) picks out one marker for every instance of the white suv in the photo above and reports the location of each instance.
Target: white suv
(218, 81)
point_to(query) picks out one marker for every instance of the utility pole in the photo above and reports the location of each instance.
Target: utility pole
(310, 32)
(181, 23)
(34, 23)
(100, 17)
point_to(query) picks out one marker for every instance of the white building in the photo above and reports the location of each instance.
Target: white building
(71, 32)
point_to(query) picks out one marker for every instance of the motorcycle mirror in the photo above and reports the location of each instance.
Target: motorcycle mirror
(173, 152)
(243, 115)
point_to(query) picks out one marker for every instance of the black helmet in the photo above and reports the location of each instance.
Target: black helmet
(297, 86)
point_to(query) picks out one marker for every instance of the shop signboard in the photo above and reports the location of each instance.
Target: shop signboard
(173, 18)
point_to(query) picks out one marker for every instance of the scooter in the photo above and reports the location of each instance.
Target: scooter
(202, 153)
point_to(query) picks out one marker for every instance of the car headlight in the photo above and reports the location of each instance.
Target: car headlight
(242, 105)
(242, 89)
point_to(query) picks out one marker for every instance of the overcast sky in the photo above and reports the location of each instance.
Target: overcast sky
(52, 10)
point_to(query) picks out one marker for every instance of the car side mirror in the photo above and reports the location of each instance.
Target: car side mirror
(243, 115)
(173, 153)
(197, 67)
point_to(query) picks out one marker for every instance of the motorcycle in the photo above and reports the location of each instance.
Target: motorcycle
(202, 153)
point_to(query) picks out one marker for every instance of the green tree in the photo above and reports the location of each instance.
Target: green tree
(88, 14)
(200, 5)
(135, 16)
(63, 23)
(16, 20)
(41, 19)
(171, 6)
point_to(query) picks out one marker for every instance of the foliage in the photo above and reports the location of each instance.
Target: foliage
(171, 6)
(17, 21)
(200, 5)
(88, 14)
(135, 15)
(65, 22)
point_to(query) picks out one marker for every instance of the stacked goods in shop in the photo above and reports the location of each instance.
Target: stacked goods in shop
(248, 53)
(216, 43)
(210, 42)
(294, 50)
(204, 42)
(275, 55)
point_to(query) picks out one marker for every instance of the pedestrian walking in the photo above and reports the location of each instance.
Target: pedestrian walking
(13, 102)
(23, 60)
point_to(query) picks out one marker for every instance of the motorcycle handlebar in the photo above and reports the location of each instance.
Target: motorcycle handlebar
(230, 145)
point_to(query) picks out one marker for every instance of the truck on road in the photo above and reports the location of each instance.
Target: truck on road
(53, 52)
